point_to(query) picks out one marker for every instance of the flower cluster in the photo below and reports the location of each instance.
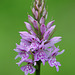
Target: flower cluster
(38, 42)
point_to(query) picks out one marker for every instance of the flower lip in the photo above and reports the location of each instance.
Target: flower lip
(28, 69)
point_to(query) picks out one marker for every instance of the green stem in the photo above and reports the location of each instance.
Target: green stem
(38, 69)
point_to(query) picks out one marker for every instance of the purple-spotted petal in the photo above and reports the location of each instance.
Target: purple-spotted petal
(57, 68)
(26, 36)
(24, 56)
(27, 43)
(28, 69)
(53, 41)
(17, 56)
(40, 55)
(47, 33)
(20, 62)
(55, 52)
(52, 62)
(61, 52)
(43, 61)
(21, 47)
(34, 46)
(17, 50)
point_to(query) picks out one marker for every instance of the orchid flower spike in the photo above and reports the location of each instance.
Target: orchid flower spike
(38, 42)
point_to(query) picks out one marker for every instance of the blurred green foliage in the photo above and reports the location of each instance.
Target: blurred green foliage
(13, 13)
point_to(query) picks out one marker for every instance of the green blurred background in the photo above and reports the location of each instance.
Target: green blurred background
(13, 13)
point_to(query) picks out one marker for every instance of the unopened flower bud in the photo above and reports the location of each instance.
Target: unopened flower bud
(42, 20)
(28, 26)
(50, 24)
